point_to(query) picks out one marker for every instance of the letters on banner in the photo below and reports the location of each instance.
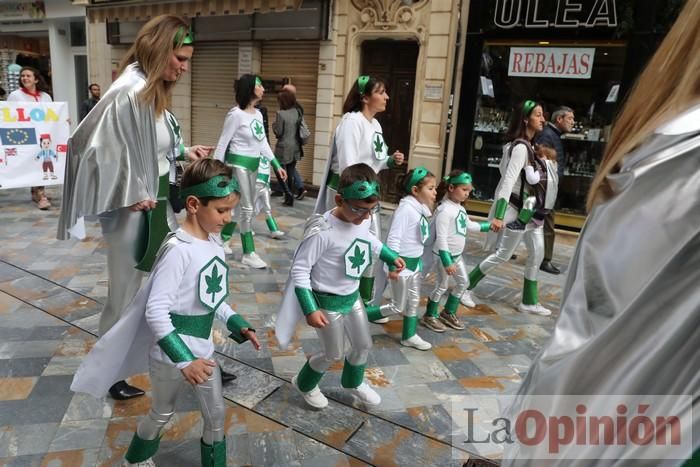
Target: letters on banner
(33, 143)
(551, 62)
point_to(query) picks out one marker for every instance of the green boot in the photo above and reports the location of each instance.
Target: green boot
(214, 455)
(141, 449)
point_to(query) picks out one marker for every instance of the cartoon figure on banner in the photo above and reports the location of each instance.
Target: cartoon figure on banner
(45, 154)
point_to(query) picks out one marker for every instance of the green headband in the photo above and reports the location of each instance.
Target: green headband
(179, 40)
(528, 106)
(258, 81)
(462, 179)
(362, 83)
(360, 190)
(216, 187)
(419, 173)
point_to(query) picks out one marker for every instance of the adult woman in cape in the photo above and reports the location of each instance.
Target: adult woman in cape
(358, 138)
(119, 161)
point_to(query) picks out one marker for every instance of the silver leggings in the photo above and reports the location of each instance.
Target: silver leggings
(246, 180)
(166, 382)
(332, 337)
(533, 236)
(460, 278)
(262, 192)
(405, 294)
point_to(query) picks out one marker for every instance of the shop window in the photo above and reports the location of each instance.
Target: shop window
(584, 77)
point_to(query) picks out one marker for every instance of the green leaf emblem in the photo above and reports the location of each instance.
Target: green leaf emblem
(214, 283)
(258, 129)
(463, 222)
(358, 258)
(378, 144)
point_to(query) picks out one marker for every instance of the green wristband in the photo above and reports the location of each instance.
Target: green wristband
(484, 226)
(275, 164)
(391, 163)
(388, 255)
(307, 300)
(501, 206)
(446, 258)
(235, 324)
(175, 348)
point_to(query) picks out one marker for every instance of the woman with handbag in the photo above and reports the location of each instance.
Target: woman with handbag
(288, 147)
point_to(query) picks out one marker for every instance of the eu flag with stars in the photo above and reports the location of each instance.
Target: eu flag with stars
(17, 136)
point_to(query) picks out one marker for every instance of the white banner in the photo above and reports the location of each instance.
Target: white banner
(33, 137)
(551, 62)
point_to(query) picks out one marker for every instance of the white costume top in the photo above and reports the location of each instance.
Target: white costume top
(163, 144)
(333, 260)
(184, 268)
(20, 96)
(358, 140)
(410, 229)
(510, 175)
(451, 226)
(243, 134)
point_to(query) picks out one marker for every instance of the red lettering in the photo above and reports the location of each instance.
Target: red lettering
(528, 62)
(556, 437)
(585, 64)
(517, 56)
(20, 115)
(551, 65)
(573, 66)
(521, 427)
(560, 68)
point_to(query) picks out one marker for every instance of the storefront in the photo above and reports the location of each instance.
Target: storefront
(584, 55)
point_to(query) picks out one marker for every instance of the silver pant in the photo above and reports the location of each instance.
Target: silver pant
(262, 193)
(124, 232)
(405, 294)
(460, 278)
(355, 326)
(166, 382)
(533, 236)
(246, 181)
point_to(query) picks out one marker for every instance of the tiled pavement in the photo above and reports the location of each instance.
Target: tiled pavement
(50, 294)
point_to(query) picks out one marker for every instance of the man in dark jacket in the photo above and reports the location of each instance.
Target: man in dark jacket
(562, 121)
(90, 102)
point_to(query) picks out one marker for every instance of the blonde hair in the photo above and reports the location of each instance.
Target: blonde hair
(669, 85)
(152, 49)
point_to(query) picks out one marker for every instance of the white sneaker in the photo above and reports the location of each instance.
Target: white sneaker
(254, 261)
(227, 248)
(536, 309)
(366, 394)
(381, 320)
(467, 300)
(147, 463)
(417, 343)
(277, 234)
(314, 398)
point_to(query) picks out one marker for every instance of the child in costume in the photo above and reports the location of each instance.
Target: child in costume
(46, 154)
(167, 327)
(409, 231)
(451, 224)
(324, 285)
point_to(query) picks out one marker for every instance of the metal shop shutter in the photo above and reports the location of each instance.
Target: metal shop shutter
(214, 67)
(299, 62)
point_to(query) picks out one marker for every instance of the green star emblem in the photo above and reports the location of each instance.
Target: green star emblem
(213, 283)
(358, 258)
(378, 144)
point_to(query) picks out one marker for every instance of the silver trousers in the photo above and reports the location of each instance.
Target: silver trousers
(262, 193)
(246, 181)
(442, 281)
(405, 295)
(355, 326)
(166, 382)
(508, 241)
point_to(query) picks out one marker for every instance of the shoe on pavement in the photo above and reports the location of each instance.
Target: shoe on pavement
(300, 194)
(314, 398)
(366, 394)
(254, 261)
(383, 320)
(433, 324)
(121, 391)
(277, 234)
(147, 463)
(467, 300)
(43, 203)
(547, 266)
(54, 177)
(416, 342)
(535, 309)
(227, 377)
(227, 248)
(451, 320)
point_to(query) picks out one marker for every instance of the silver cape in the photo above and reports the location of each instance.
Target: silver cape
(630, 314)
(111, 161)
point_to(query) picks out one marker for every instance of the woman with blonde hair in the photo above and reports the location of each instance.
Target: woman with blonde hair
(120, 160)
(630, 320)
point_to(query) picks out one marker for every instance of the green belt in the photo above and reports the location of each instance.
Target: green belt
(156, 226)
(265, 178)
(454, 257)
(414, 264)
(340, 303)
(246, 162)
(193, 325)
(333, 180)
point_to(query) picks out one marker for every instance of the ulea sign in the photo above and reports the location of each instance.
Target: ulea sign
(568, 14)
